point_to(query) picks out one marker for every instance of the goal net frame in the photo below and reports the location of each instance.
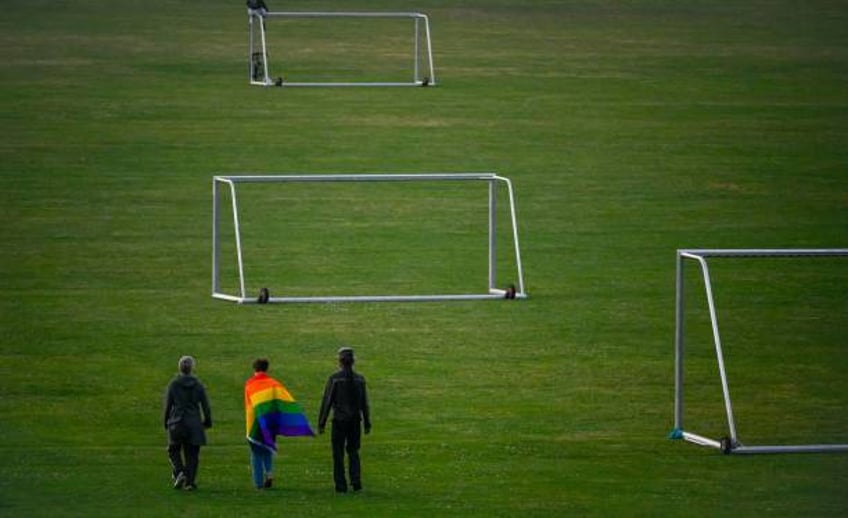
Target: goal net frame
(730, 443)
(423, 73)
(515, 291)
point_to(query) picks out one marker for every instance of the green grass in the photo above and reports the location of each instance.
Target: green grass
(630, 129)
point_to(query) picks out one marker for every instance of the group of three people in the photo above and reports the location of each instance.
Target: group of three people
(270, 411)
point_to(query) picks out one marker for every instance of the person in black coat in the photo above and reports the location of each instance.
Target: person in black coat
(257, 7)
(346, 397)
(187, 415)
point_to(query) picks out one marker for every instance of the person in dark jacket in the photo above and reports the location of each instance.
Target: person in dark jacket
(257, 7)
(346, 397)
(187, 415)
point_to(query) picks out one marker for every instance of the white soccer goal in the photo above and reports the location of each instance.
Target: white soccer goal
(420, 54)
(731, 442)
(228, 184)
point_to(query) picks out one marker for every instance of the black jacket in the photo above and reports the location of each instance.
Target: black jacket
(346, 396)
(187, 412)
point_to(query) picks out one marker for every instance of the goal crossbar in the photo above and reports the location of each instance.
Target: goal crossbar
(731, 443)
(424, 74)
(493, 180)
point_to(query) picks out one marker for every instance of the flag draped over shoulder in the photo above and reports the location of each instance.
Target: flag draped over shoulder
(270, 410)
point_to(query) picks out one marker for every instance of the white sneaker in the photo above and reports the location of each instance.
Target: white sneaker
(180, 481)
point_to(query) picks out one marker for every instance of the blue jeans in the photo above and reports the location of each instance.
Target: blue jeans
(261, 461)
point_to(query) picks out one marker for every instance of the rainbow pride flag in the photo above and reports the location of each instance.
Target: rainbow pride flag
(270, 410)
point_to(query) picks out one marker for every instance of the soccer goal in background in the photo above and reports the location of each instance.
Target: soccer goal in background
(347, 237)
(770, 347)
(339, 49)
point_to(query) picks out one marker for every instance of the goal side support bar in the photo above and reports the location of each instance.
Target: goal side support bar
(493, 180)
(731, 443)
(421, 29)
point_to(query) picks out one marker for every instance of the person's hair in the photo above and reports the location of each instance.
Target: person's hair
(260, 365)
(186, 364)
(346, 358)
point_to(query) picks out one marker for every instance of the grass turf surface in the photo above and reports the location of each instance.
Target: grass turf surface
(630, 129)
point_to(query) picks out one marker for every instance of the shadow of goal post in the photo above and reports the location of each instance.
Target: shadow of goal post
(516, 291)
(729, 443)
(423, 73)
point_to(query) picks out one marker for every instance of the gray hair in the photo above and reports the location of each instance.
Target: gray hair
(186, 364)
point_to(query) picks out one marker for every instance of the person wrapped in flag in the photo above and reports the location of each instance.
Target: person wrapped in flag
(270, 410)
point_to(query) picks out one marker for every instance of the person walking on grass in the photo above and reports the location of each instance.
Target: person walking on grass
(345, 395)
(270, 410)
(186, 417)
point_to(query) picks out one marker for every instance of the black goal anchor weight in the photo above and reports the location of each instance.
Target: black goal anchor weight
(264, 296)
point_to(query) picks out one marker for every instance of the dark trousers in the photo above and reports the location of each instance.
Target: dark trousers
(184, 458)
(346, 438)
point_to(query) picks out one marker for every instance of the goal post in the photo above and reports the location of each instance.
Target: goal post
(730, 443)
(421, 51)
(228, 184)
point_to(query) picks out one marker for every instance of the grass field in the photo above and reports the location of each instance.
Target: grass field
(630, 129)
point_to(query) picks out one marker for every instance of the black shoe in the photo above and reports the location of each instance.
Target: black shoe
(341, 490)
(191, 487)
(357, 488)
(268, 483)
(180, 481)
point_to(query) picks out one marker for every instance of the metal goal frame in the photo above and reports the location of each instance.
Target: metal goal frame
(423, 73)
(730, 443)
(516, 291)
